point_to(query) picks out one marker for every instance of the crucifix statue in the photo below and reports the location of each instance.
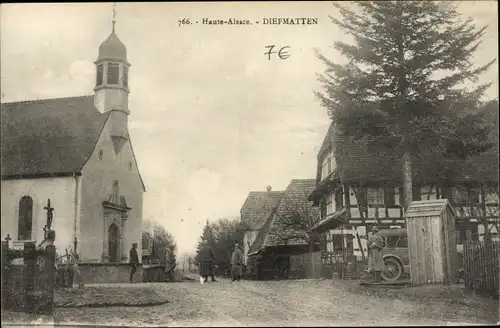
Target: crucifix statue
(8, 239)
(50, 217)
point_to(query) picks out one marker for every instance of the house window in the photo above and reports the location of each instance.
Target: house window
(446, 192)
(360, 194)
(328, 164)
(389, 197)
(330, 204)
(25, 220)
(459, 195)
(333, 162)
(339, 199)
(463, 195)
(375, 196)
(324, 168)
(100, 74)
(323, 208)
(125, 76)
(429, 192)
(473, 196)
(490, 196)
(329, 160)
(113, 73)
(461, 231)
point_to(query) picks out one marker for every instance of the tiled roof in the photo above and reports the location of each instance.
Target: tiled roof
(358, 160)
(258, 206)
(48, 137)
(259, 240)
(330, 222)
(426, 208)
(374, 162)
(294, 202)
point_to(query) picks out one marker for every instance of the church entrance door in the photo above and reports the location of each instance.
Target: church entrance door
(113, 243)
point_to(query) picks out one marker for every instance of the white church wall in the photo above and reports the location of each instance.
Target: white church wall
(98, 176)
(61, 192)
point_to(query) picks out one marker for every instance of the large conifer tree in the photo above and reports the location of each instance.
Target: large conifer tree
(403, 84)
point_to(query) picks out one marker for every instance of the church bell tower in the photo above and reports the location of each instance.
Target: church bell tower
(111, 89)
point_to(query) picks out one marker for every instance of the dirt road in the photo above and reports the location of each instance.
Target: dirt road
(275, 303)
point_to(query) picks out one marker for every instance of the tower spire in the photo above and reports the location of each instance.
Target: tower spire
(114, 16)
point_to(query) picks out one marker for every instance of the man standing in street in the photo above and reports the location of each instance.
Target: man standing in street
(134, 261)
(375, 258)
(207, 258)
(236, 263)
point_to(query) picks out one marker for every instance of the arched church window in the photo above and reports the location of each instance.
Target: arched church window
(25, 220)
(125, 76)
(113, 73)
(116, 192)
(100, 75)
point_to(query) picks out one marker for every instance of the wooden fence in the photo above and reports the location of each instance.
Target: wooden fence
(481, 267)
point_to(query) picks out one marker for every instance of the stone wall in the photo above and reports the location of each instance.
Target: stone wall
(96, 273)
(92, 273)
(13, 294)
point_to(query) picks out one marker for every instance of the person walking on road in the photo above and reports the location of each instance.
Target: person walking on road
(207, 258)
(236, 263)
(212, 271)
(133, 261)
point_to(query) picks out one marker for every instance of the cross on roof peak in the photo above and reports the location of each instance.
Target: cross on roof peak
(114, 16)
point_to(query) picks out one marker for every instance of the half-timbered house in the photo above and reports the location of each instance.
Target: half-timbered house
(359, 187)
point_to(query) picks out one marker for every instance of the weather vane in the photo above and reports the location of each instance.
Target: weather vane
(114, 16)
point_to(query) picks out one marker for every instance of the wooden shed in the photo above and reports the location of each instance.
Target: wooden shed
(432, 243)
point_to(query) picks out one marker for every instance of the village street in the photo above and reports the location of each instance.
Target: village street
(280, 303)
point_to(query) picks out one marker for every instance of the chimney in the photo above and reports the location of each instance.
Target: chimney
(269, 188)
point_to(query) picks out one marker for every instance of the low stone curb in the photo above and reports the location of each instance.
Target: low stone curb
(109, 296)
(110, 304)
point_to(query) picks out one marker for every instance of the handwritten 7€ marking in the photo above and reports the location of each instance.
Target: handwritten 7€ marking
(282, 53)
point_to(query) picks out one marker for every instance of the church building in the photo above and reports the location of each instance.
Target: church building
(77, 152)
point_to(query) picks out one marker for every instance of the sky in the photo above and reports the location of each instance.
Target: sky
(212, 118)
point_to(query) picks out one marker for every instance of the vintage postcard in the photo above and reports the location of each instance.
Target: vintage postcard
(302, 163)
